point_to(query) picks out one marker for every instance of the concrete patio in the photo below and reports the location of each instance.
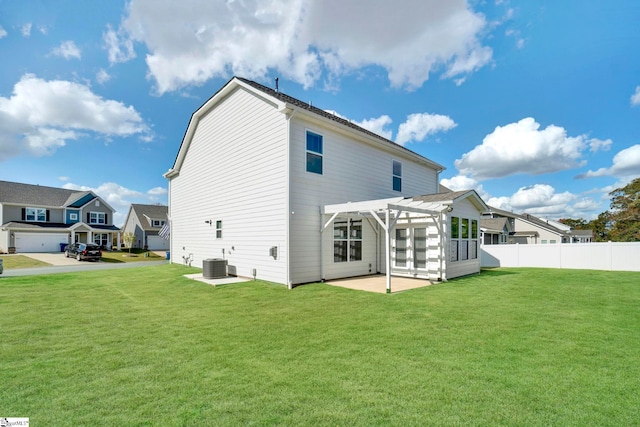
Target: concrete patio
(378, 283)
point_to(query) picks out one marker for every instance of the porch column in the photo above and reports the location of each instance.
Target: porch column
(89, 236)
(118, 240)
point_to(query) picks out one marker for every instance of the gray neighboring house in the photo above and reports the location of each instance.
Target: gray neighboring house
(146, 221)
(35, 218)
(525, 229)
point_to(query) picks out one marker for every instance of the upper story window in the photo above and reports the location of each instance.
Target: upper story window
(97, 218)
(397, 176)
(35, 214)
(157, 223)
(314, 153)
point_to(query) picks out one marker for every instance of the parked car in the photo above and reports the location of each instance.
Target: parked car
(1, 268)
(83, 251)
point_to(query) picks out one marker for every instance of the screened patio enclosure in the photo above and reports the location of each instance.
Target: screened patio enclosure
(398, 236)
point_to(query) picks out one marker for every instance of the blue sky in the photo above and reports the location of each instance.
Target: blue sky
(536, 105)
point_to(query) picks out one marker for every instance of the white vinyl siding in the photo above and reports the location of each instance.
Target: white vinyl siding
(353, 170)
(236, 171)
(465, 263)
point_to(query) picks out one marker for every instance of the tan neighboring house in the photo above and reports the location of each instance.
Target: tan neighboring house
(145, 222)
(35, 218)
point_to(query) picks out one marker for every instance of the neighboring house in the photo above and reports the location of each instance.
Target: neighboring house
(145, 222)
(35, 218)
(527, 229)
(290, 193)
(495, 231)
(581, 236)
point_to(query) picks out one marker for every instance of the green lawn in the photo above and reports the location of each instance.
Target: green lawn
(20, 261)
(136, 255)
(145, 346)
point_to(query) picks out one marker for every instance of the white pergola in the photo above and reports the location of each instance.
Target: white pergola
(387, 212)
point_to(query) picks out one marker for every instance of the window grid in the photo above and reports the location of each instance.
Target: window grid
(347, 240)
(464, 239)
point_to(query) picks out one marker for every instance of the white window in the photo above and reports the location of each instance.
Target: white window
(219, 229)
(464, 239)
(97, 218)
(35, 214)
(157, 223)
(397, 176)
(347, 240)
(73, 216)
(101, 239)
(314, 153)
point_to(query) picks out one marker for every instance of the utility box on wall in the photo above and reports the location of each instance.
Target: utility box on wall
(214, 268)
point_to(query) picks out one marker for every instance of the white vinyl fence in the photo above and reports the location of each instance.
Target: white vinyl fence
(618, 256)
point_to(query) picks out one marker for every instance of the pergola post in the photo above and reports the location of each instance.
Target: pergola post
(388, 249)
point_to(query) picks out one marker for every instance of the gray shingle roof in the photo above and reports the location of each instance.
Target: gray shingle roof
(37, 195)
(152, 211)
(493, 224)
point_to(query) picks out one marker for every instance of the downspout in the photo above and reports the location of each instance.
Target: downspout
(289, 213)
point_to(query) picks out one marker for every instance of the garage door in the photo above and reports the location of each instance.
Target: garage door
(39, 242)
(157, 243)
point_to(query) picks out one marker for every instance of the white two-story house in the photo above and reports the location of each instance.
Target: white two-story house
(289, 193)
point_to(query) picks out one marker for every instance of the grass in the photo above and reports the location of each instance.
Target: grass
(21, 261)
(136, 255)
(146, 346)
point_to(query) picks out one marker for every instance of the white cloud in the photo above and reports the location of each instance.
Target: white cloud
(302, 40)
(418, 126)
(157, 191)
(119, 48)
(635, 98)
(377, 125)
(67, 50)
(26, 30)
(120, 198)
(538, 196)
(3, 32)
(598, 144)
(102, 76)
(522, 148)
(42, 116)
(462, 182)
(625, 164)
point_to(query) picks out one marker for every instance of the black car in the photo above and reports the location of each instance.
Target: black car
(82, 251)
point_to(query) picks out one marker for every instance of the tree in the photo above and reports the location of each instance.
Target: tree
(601, 227)
(625, 212)
(128, 238)
(575, 224)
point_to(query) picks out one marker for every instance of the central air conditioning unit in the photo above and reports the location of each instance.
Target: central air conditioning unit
(214, 268)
